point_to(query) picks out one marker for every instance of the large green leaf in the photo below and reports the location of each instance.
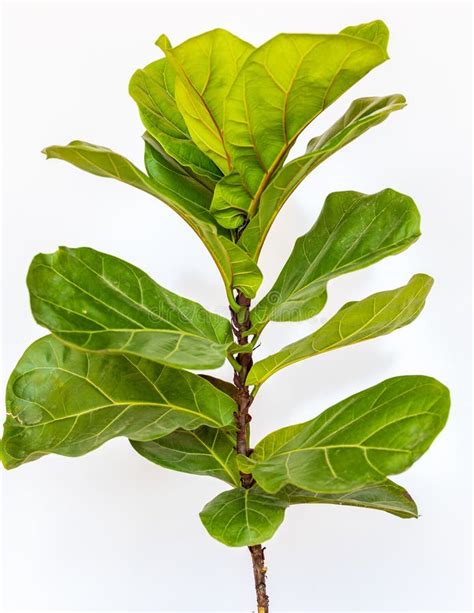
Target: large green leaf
(101, 303)
(206, 66)
(386, 496)
(352, 231)
(243, 517)
(66, 401)
(373, 316)
(362, 115)
(152, 88)
(205, 451)
(281, 88)
(236, 267)
(378, 432)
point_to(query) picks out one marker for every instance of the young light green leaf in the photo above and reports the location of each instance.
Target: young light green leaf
(281, 88)
(243, 517)
(353, 231)
(373, 316)
(358, 442)
(206, 66)
(205, 451)
(66, 401)
(385, 496)
(236, 267)
(152, 88)
(191, 204)
(101, 303)
(362, 115)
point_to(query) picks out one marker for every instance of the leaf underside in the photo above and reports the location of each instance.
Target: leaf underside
(365, 319)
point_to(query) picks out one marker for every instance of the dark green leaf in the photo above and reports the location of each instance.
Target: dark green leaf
(152, 88)
(101, 303)
(225, 386)
(386, 496)
(374, 316)
(358, 442)
(62, 400)
(353, 231)
(165, 170)
(205, 451)
(242, 517)
(235, 266)
(281, 88)
(362, 115)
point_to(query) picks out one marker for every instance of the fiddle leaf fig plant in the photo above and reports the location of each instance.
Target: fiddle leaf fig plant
(125, 355)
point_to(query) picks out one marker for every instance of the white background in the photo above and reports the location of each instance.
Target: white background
(112, 531)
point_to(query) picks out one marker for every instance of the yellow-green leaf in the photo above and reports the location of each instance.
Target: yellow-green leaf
(374, 316)
(190, 201)
(282, 87)
(206, 66)
(152, 88)
(363, 114)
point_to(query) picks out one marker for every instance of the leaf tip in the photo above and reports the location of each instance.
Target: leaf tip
(163, 42)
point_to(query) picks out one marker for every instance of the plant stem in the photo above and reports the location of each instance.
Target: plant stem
(241, 325)
(259, 573)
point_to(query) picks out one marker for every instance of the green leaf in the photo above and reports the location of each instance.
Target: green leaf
(230, 201)
(358, 442)
(163, 169)
(373, 316)
(362, 115)
(236, 268)
(205, 451)
(281, 88)
(224, 386)
(206, 66)
(62, 400)
(385, 496)
(353, 231)
(152, 88)
(243, 517)
(101, 303)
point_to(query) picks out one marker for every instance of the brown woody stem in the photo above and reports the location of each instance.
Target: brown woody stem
(241, 325)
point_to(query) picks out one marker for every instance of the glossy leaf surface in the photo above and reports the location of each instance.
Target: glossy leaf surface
(235, 266)
(206, 66)
(66, 401)
(353, 231)
(205, 451)
(282, 87)
(152, 88)
(378, 432)
(242, 517)
(373, 316)
(101, 303)
(362, 115)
